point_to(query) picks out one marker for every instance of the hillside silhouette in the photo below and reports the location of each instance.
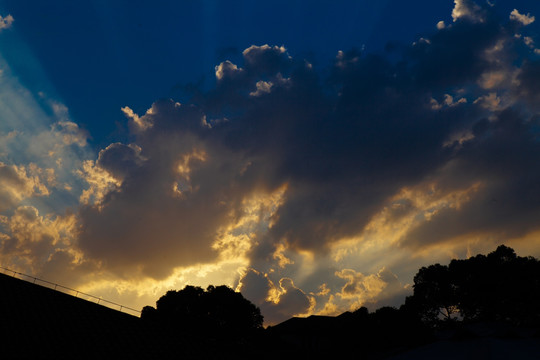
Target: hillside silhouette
(482, 307)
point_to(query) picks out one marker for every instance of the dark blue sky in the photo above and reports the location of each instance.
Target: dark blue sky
(99, 56)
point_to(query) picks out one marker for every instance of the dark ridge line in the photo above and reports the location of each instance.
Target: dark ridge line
(99, 301)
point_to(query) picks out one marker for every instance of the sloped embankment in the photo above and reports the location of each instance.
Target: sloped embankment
(38, 322)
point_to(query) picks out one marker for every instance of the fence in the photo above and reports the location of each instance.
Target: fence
(70, 291)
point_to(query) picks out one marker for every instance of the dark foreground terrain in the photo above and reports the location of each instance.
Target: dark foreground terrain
(38, 322)
(485, 307)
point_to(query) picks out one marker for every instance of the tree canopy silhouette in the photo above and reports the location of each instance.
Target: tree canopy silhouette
(498, 287)
(218, 309)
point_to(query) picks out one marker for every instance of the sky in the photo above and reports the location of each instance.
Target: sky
(312, 155)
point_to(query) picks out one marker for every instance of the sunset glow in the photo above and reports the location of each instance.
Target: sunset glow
(142, 150)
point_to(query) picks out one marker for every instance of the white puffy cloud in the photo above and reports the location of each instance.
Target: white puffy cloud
(524, 19)
(467, 9)
(69, 133)
(139, 123)
(100, 183)
(226, 70)
(5, 22)
(18, 184)
(263, 87)
(32, 239)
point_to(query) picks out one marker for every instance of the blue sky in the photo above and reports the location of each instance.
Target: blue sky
(311, 154)
(98, 56)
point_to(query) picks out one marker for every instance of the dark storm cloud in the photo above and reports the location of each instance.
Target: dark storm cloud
(339, 151)
(171, 202)
(277, 302)
(529, 88)
(454, 56)
(344, 146)
(504, 158)
(119, 160)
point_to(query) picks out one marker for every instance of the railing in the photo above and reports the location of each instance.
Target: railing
(70, 291)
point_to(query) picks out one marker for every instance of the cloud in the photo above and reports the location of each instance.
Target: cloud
(18, 184)
(448, 101)
(38, 130)
(277, 303)
(226, 70)
(305, 188)
(263, 87)
(468, 10)
(120, 160)
(527, 88)
(41, 149)
(465, 51)
(368, 286)
(490, 101)
(265, 59)
(5, 22)
(139, 123)
(373, 291)
(521, 18)
(179, 212)
(255, 286)
(375, 143)
(41, 242)
(501, 204)
(292, 300)
(100, 183)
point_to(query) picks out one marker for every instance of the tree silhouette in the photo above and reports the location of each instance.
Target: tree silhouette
(498, 287)
(434, 294)
(219, 311)
(230, 311)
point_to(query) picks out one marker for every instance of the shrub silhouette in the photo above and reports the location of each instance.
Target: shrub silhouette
(500, 287)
